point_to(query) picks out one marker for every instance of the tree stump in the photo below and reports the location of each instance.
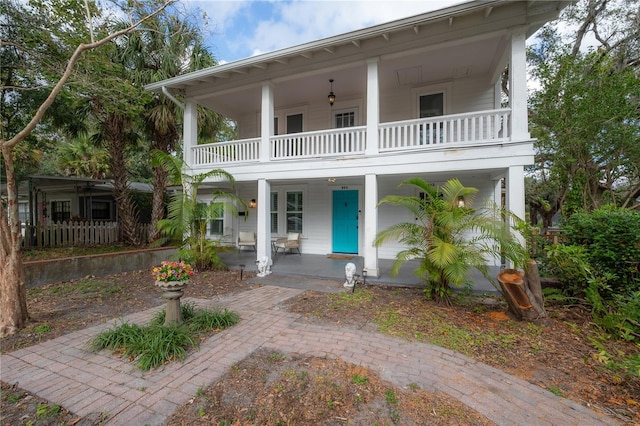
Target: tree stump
(523, 292)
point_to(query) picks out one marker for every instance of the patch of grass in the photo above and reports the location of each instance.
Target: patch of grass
(556, 391)
(359, 380)
(13, 397)
(276, 356)
(390, 397)
(433, 327)
(85, 287)
(44, 411)
(200, 391)
(43, 328)
(155, 344)
(359, 297)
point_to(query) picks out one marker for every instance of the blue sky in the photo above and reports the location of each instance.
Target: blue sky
(243, 28)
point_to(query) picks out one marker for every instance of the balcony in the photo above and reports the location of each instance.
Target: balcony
(468, 129)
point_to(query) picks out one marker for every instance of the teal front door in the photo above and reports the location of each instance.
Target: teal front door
(345, 221)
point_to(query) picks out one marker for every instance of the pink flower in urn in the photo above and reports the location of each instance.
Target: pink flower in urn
(172, 271)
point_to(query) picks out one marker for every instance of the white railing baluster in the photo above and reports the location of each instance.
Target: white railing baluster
(467, 128)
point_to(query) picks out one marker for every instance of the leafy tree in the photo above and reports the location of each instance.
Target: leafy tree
(448, 239)
(586, 114)
(44, 26)
(587, 123)
(188, 217)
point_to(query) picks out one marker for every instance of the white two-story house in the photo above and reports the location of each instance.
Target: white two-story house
(328, 128)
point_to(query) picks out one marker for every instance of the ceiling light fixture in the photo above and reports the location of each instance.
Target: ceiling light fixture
(332, 96)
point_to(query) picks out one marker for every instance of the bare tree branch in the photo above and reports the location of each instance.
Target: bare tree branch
(592, 14)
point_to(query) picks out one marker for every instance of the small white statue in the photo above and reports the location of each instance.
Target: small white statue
(350, 274)
(264, 266)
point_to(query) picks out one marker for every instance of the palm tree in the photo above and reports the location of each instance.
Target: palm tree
(447, 237)
(166, 46)
(81, 157)
(187, 218)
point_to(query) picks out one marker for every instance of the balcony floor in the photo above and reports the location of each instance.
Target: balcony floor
(305, 271)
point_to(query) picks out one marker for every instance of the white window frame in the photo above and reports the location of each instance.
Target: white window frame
(444, 88)
(282, 208)
(225, 218)
(283, 113)
(356, 115)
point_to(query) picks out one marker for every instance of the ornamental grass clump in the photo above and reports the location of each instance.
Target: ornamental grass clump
(156, 344)
(173, 271)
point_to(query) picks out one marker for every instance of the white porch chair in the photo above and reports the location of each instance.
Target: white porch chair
(247, 239)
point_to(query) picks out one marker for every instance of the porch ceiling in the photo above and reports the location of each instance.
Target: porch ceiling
(465, 40)
(413, 68)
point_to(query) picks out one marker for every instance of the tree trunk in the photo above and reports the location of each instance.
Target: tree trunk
(127, 215)
(165, 142)
(14, 313)
(13, 298)
(523, 292)
(157, 206)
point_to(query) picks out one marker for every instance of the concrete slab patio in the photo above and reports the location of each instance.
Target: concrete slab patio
(65, 372)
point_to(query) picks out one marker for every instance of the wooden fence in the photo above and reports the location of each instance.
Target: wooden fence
(69, 234)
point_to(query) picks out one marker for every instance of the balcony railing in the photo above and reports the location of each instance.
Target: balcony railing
(239, 151)
(436, 132)
(479, 127)
(325, 143)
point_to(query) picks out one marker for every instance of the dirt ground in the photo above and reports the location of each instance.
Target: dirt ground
(272, 388)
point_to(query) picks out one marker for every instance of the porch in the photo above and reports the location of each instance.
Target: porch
(286, 268)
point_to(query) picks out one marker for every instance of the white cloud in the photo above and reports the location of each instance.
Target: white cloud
(245, 28)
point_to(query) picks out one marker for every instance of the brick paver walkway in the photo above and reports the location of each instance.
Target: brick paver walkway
(65, 372)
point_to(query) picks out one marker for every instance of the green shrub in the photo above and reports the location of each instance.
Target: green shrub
(611, 238)
(621, 316)
(569, 264)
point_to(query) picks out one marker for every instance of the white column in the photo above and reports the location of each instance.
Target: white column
(189, 131)
(266, 121)
(518, 86)
(263, 234)
(369, 251)
(515, 194)
(373, 106)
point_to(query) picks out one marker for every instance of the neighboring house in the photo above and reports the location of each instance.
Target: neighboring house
(50, 199)
(330, 127)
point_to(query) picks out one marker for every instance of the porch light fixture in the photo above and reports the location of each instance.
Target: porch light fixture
(461, 202)
(332, 96)
(252, 203)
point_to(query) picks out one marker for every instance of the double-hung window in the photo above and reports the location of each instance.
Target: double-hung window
(286, 211)
(216, 219)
